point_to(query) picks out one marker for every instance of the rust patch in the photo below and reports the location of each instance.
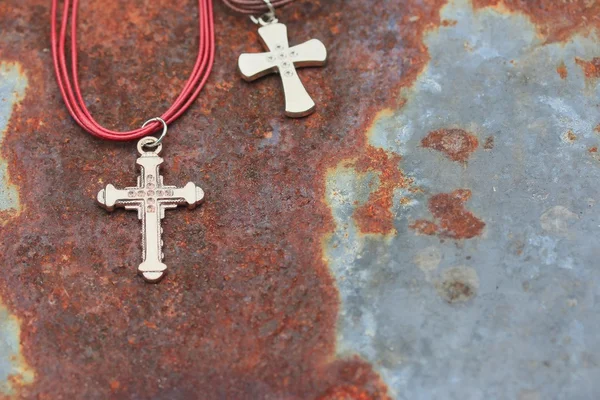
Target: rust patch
(453, 220)
(489, 143)
(597, 128)
(456, 144)
(455, 290)
(375, 216)
(346, 392)
(593, 149)
(358, 378)
(425, 227)
(591, 69)
(562, 70)
(449, 22)
(250, 308)
(556, 21)
(458, 285)
(570, 136)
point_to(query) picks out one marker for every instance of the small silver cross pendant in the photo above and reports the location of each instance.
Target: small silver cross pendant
(284, 59)
(150, 198)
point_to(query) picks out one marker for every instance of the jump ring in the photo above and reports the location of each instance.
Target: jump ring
(162, 135)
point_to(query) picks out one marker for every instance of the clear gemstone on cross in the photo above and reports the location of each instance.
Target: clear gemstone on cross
(284, 59)
(150, 198)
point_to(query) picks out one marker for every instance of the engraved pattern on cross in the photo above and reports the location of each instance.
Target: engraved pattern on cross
(150, 198)
(284, 59)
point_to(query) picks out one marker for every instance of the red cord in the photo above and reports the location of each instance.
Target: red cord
(68, 82)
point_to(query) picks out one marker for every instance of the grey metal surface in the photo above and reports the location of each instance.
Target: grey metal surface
(12, 89)
(529, 328)
(13, 368)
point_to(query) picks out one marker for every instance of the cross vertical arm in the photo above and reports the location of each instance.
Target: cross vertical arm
(149, 168)
(298, 102)
(274, 37)
(152, 268)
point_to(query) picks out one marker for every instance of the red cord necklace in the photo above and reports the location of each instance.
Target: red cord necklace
(68, 82)
(151, 197)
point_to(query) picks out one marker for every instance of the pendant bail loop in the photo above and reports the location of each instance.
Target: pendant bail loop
(162, 135)
(268, 17)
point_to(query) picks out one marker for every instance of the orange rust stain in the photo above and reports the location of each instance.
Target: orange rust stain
(345, 392)
(114, 384)
(456, 144)
(221, 338)
(570, 136)
(562, 70)
(593, 149)
(376, 216)
(449, 22)
(453, 220)
(150, 325)
(489, 143)
(591, 69)
(355, 381)
(425, 227)
(556, 21)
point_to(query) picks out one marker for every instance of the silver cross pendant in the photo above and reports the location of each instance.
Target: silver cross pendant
(150, 198)
(282, 59)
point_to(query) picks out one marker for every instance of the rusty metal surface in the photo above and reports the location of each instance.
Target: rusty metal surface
(431, 232)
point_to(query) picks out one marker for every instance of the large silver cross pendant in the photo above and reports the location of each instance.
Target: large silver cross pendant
(284, 59)
(150, 198)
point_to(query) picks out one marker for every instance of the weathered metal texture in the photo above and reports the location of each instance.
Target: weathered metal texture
(430, 232)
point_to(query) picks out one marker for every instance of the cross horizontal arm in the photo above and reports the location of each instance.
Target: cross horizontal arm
(190, 193)
(110, 196)
(312, 53)
(255, 65)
